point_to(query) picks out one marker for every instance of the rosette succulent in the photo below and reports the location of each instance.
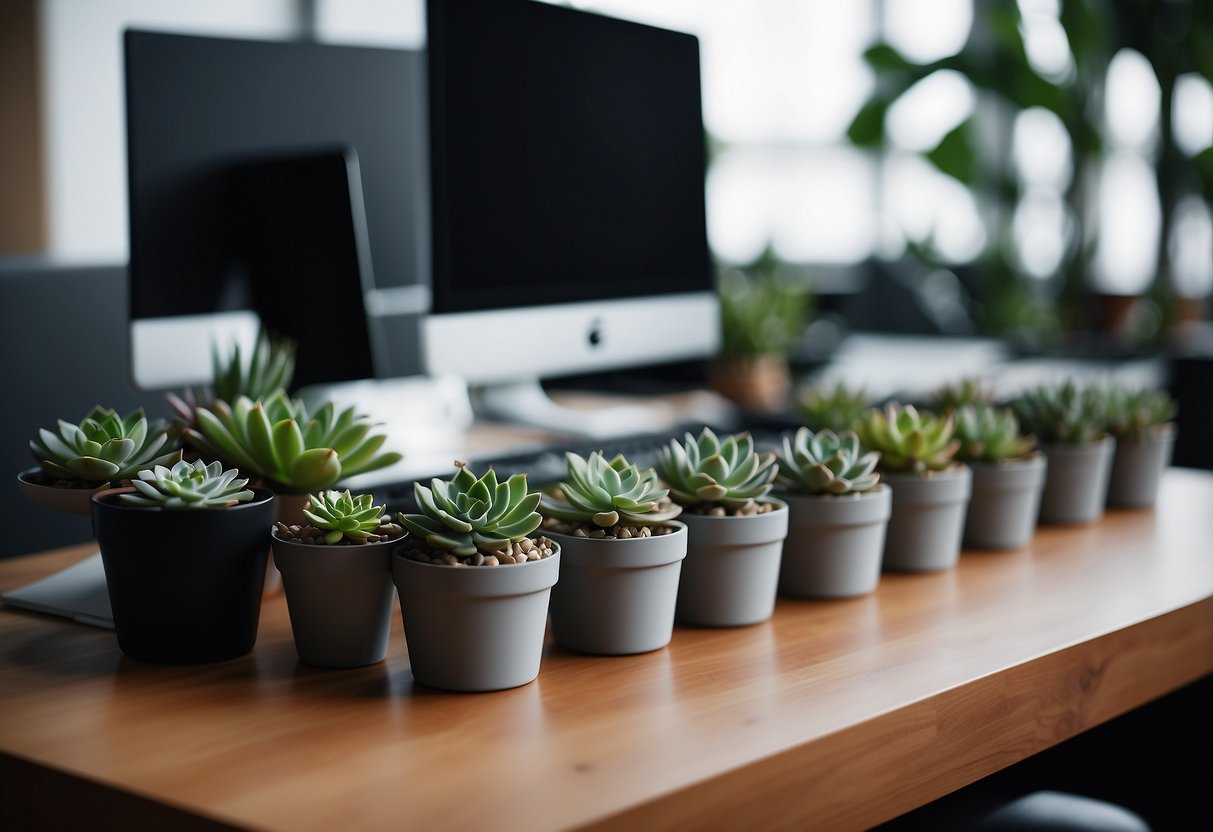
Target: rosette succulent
(467, 514)
(342, 516)
(707, 471)
(909, 440)
(1062, 413)
(103, 447)
(969, 391)
(990, 434)
(835, 408)
(275, 438)
(270, 367)
(608, 493)
(190, 485)
(1131, 413)
(827, 463)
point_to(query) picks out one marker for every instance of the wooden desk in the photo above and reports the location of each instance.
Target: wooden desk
(831, 715)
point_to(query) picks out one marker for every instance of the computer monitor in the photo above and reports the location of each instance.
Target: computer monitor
(281, 183)
(567, 171)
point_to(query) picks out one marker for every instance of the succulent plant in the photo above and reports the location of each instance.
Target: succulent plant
(835, 408)
(103, 447)
(608, 493)
(990, 434)
(270, 367)
(190, 485)
(705, 470)
(1062, 413)
(827, 463)
(275, 438)
(969, 391)
(1131, 413)
(341, 516)
(466, 514)
(908, 440)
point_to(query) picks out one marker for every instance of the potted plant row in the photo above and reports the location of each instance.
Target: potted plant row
(621, 557)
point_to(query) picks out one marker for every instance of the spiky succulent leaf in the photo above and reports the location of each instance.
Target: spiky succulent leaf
(466, 513)
(704, 469)
(103, 447)
(827, 463)
(835, 408)
(188, 485)
(990, 434)
(1131, 413)
(967, 392)
(607, 493)
(270, 367)
(343, 516)
(1064, 413)
(908, 440)
(275, 438)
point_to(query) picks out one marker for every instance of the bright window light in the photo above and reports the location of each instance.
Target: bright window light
(828, 199)
(1129, 220)
(740, 211)
(1039, 230)
(930, 109)
(1045, 41)
(1042, 149)
(1192, 113)
(389, 23)
(1132, 98)
(1191, 248)
(925, 204)
(927, 30)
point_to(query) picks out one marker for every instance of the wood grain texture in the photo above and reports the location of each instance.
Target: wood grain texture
(834, 714)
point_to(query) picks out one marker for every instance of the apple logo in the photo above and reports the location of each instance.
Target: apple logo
(595, 335)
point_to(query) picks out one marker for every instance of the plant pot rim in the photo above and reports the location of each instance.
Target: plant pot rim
(1095, 446)
(26, 476)
(102, 498)
(954, 470)
(854, 496)
(1016, 461)
(398, 554)
(337, 546)
(779, 504)
(1166, 430)
(680, 528)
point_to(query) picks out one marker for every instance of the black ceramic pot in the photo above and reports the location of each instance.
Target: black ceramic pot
(185, 584)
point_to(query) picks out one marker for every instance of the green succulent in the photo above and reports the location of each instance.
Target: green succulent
(1131, 413)
(275, 438)
(270, 367)
(826, 463)
(835, 408)
(607, 493)
(342, 516)
(969, 391)
(909, 440)
(103, 447)
(705, 470)
(990, 434)
(1062, 413)
(191, 485)
(466, 514)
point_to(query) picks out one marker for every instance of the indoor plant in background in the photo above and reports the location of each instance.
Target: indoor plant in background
(337, 575)
(1069, 424)
(473, 586)
(930, 489)
(103, 449)
(1141, 420)
(735, 532)
(1008, 477)
(838, 511)
(621, 555)
(184, 550)
(271, 366)
(835, 408)
(968, 392)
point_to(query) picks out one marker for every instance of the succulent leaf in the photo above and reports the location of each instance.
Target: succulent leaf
(1131, 413)
(103, 447)
(699, 470)
(826, 463)
(608, 493)
(907, 439)
(989, 434)
(188, 485)
(343, 516)
(1062, 413)
(466, 514)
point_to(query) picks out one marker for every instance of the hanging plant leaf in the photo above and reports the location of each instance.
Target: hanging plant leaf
(956, 153)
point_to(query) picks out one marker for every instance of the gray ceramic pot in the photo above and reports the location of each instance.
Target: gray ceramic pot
(1076, 485)
(617, 596)
(1005, 502)
(928, 519)
(834, 544)
(339, 599)
(474, 628)
(1137, 467)
(731, 572)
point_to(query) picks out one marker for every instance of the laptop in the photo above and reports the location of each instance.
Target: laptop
(78, 593)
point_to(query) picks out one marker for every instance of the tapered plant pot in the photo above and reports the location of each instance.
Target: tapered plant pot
(474, 628)
(288, 510)
(928, 519)
(731, 572)
(1137, 467)
(1076, 485)
(184, 584)
(67, 500)
(1005, 502)
(339, 599)
(617, 596)
(834, 544)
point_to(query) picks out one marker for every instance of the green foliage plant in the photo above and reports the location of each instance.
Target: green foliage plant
(762, 312)
(103, 447)
(909, 440)
(293, 451)
(704, 472)
(990, 434)
(605, 494)
(835, 408)
(966, 392)
(827, 463)
(1132, 413)
(342, 517)
(466, 514)
(1066, 413)
(188, 485)
(270, 367)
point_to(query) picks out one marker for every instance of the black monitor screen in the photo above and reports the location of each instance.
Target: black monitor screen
(567, 156)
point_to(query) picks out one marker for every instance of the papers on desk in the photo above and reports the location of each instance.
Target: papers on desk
(78, 593)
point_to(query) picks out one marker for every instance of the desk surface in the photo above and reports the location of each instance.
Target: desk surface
(832, 714)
